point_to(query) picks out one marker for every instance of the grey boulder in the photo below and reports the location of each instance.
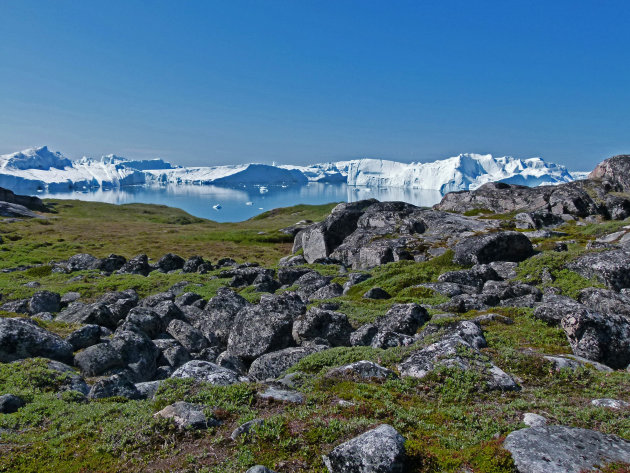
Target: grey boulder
(207, 372)
(22, 338)
(499, 246)
(559, 449)
(186, 416)
(381, 450)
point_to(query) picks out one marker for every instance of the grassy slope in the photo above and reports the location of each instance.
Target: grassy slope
(101, 229)
(448, 423)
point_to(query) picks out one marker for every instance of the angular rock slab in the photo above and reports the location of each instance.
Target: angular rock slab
(381, 450)
(559, 449)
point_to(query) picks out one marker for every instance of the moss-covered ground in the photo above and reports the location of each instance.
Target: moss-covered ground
(448, 422)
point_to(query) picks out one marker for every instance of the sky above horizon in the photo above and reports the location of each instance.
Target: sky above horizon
(297, 82)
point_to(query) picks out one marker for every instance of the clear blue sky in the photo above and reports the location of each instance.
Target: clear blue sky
(203, 82)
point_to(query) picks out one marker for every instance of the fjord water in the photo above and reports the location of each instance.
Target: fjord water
(228, 204)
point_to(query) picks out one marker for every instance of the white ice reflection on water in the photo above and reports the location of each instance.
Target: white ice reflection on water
(238, 204)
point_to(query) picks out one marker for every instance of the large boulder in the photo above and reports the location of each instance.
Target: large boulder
(265, 327)
(137, 352)
(207, 372)
(23, 338)
(84, 337)
(98, 359)
(610, 267)
(328, 325)
(97, 313)
(44, 301)
(605, 339)
(555, 307)
(188, 336)
(271, 365)
(10, 403)
(380, 450)
(403, 318)
(559, 449)
(114, 386)
(170, 262)
(220, 313)
(497, 246)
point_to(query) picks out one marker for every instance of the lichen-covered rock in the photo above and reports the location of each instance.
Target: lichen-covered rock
(363, 369)
(281, 395)
(187, 416)
(605, 339)
(84, 337)
(380, 450)
(554, 449)
(455, 352)
(137, 352)
(207, 372)
(23, 338)
(188, 336)
(98, 359)
(403, 318)
(220, 313)
(265, 327)
(272, 365)
(610, 267)
(605, 301)
(97, 313)
(615, 170)
(116, 385)
(328, 325)
(498, 246)
(44, 301)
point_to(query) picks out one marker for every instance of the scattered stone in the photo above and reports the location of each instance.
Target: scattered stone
(531, 419)
(136, 265)
(259, 469)
(403, 318)
(379, 450)
(188, 336)
(281, 395)
(610, 267)
(244, 429)
(98, 359)
(362, 369)
(610, 403)
(187, 416)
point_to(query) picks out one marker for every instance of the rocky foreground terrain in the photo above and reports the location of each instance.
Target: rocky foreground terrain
(489, 334)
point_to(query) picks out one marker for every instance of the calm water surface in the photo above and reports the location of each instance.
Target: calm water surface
(225, 204)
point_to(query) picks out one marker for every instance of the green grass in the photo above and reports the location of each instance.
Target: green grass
(130, 229)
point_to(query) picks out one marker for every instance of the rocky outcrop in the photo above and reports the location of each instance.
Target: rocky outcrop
(553, 449)
(30, 202)
(379, 450)
(615, 172)
(328, 325)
